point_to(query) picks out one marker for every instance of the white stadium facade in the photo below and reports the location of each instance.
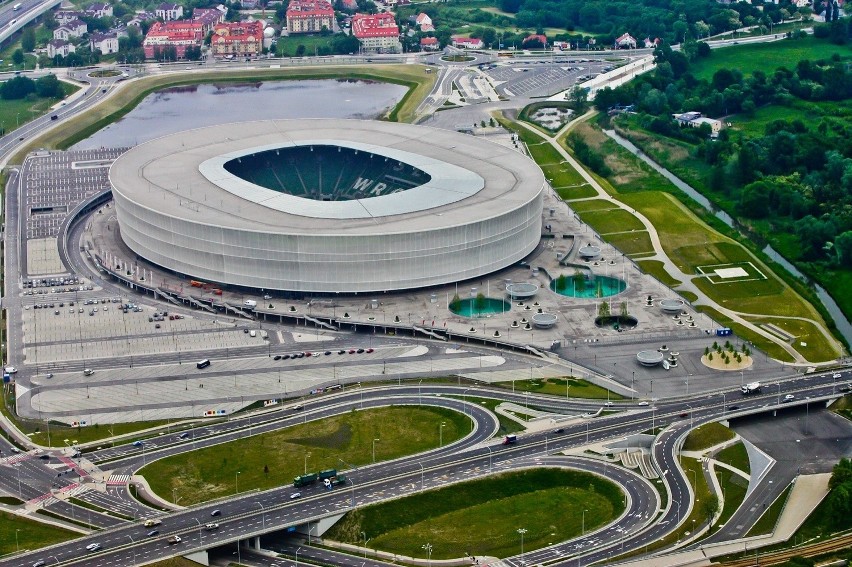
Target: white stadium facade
(328, 206)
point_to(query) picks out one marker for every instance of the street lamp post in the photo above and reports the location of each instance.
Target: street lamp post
(297, 556)
(584, 522)
(421, 475)
(441, 434)
(306, 462)
(428, 548)
(17, 547)
(374, 449)
(263, 520)
(237, 483)
(522, 531)
(364, 534)
(489, 458)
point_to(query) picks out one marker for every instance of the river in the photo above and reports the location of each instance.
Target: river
(182, 108)
(840, 320)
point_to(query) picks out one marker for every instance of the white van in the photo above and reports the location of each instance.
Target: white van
(250, 303)
(88, 372)
(252, 333)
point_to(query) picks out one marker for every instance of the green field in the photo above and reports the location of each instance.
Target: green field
(576, 388)
(632, 243)
(593, 205)
(30, 534)
(482, 517)
(655, 268)
(736, 456)
(273, 459)
(707, 436)
(582, 191)
(14, 113)
(734, 489)
(766, 56)
(618, 220)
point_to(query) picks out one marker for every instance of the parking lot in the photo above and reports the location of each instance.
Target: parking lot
(53, 183)
(539, 78)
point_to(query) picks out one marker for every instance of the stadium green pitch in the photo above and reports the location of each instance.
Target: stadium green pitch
(327, 172)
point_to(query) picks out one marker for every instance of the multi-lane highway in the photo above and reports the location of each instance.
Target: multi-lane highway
(257, 513)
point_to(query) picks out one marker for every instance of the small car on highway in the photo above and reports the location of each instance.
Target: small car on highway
(216, 513)
(93, 546)
(211, 526)
(295, 495)
(789, 398)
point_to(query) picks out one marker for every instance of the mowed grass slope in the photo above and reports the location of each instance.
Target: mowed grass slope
(766, 56)
(482, 517)
(30, 534)
(273, 459)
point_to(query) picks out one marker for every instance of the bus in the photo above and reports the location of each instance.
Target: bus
(16, 7)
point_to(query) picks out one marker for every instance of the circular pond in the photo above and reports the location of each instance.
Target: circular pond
(480, 307)
(594, 287)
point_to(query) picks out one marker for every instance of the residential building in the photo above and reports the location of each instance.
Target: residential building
(59, 47)
(99, 10)
(209, 17)
(625, 41)
(74, 28)
(429, 44)
(105, 42)
(423, 18)
(466, 42)
(169, 11)
(561, 45)
(377, 32)
(650, 44)
(180, 34)
(310, 16)
(240, 39)
(695, 120)
(140, 17)
(62, 17)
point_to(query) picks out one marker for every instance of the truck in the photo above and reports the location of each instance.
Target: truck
(152, 522)
(333, 481)
(328, 473)
(250, 303)
(305, 479)
(173, 540)
(751, 388)
(510, 439)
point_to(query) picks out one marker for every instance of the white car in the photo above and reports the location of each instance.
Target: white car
(93, 546)
(789, 398)
(608, 404)
(10, 370)
(837, 375)
(295, 495)
(643, 403)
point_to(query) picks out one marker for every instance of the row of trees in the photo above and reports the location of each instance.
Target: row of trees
(23, 87)
(670, 20)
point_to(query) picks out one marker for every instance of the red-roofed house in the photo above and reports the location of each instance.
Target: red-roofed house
(651, 44)
(429, 44)
(467, 42)
(208, 17)
(241, 39)
(535, 40)
(625, 41)
(377, 32)
(309, 16)
(181, 34)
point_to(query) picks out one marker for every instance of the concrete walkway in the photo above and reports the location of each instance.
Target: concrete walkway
(659, 253)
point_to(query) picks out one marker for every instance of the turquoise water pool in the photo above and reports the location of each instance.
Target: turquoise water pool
(598, 286)
(480, 307)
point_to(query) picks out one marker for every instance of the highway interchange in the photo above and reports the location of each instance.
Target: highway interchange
(248, 515)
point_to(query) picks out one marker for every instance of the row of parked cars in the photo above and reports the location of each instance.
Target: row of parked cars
(308, 354)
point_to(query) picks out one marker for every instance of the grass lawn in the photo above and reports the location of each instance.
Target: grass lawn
(706, 436)
(766, 56)
(631, 243)
(549, 503)
(581, 191)
(766, 523)
(592, 205)
(507, 425)
(655, 268)
(808, 112)
(124, 100)
(273, 459)
(82, 435)
(31, 534)
(563, 175)
(577, 388)
(14, 113)
(734, 489)
(617, 220)
(736, 456)
(545, 154)
(815, 349)
(287, 46)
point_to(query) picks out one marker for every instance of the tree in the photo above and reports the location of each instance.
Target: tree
(578, 97)
(28, 39)
(710, 507)
(843, 248)
(49, 87)
(18, 57)
(16, 88)
(604, 310)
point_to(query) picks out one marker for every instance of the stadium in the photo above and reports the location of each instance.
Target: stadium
(328, 206)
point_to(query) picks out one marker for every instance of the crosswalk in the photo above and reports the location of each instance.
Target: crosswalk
(118, 480)
(13, 459)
